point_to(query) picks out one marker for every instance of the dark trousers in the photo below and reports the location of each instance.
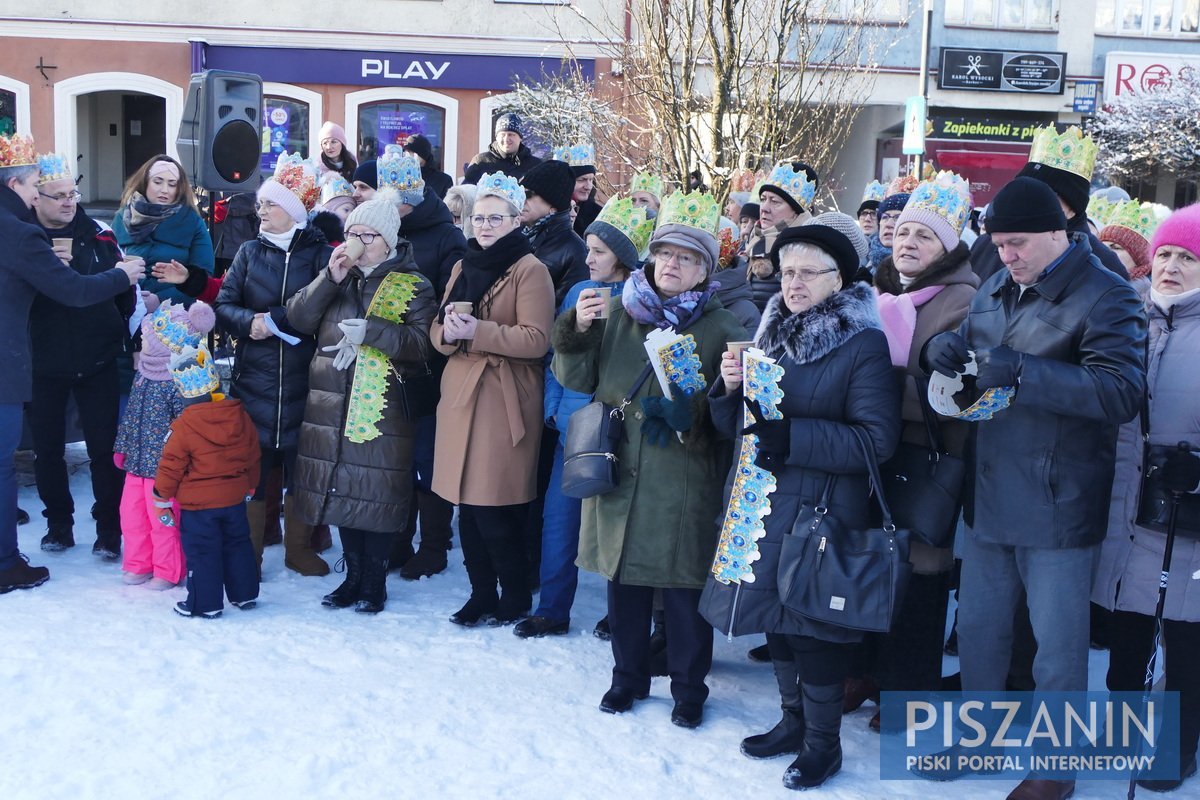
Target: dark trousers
(220, 557)
(689, 645)
(371, 544)
(820, 663)
(1130, 638)
(910, 656)
(493, 544)
(10, 437)
(97, 397)
(272, 457)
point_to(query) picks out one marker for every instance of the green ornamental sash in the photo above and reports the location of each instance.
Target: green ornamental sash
(368, 394)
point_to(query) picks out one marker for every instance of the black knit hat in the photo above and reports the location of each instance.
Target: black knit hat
(418, 145)
(831, 240)
(1072, 188)
(867, 205)
(583, 169)
(893, 202)
(552, 181)
(749, 211)
(509, 122)
(1025, 205)
(368, 173)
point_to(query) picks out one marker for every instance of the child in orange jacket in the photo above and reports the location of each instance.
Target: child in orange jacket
(209, 466)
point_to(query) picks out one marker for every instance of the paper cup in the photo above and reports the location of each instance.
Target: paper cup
(63, 242)
(738, 347)
(605, 293)
(353, 249)
(461, 307)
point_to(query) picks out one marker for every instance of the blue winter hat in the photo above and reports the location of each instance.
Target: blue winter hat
(368, 173)
(893, 202)
(508, 122)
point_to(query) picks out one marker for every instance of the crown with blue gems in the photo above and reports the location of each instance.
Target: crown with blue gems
(647, 182)
(401, 171)
(194, 372)
(170, 324)
(794, 182)
(875, 190)
(497, 184)
(333, 185)
(299, 177)
(1072, 150)
(946, 194)
(632, 221)
(694, 209)
(17, 151)
(53, 167)
(577, 155)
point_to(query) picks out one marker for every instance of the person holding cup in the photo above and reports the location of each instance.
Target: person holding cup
(489, 419)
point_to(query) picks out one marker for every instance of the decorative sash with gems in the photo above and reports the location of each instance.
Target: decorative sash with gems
(368, 395)
(737, 548)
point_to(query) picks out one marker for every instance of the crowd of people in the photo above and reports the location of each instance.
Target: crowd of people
(402, 345)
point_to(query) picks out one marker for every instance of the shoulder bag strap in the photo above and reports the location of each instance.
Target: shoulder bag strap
(864, 441)
(931, 425)
(619, 411)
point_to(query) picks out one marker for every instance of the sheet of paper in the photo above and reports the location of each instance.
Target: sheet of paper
(274, 329)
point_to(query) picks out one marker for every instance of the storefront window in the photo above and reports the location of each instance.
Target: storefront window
(285, 127)
(391, 122)
(8, 113)
(1001, 13)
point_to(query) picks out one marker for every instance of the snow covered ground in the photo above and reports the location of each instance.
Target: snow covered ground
(107, 693)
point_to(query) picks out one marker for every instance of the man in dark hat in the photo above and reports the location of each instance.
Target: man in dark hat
(1069, 337)
(431, 171)
(507, 152)
(547, 220)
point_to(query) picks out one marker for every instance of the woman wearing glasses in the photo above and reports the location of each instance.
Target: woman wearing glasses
(494, 327)
(159, 221)
(824, 330)
(270, 376)
(370, 310)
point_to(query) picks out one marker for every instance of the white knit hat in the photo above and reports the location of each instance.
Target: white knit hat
(381, 214)
(281, 196)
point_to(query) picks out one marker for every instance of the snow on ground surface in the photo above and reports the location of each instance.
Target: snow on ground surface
(107, 693)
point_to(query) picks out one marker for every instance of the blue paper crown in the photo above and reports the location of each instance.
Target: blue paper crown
(497, 184)
(579, 155)
(175, 334)
(333, 185)
(53, 167)
(876, 190)
(194, 373)
(401, 171)
(796, 184)
(946, 194)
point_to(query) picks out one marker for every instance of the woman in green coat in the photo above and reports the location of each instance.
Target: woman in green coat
(658, 528)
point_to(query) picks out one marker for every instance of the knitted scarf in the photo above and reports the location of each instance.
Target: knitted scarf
(482, 268)
(646, 306)
(142, 218)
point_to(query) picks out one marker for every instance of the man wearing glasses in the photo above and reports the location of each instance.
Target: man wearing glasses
(75, 354)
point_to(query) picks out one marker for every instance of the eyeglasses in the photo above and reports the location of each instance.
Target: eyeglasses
(491, 220)
(803, 275)
(73, 196)
(680, 257)
(890, 216)
(365, 238)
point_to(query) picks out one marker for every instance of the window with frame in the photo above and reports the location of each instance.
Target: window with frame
(1148, 17)
(393, 121)
(1019, 14)
(874, 10)
(284, 127)
(8, 112)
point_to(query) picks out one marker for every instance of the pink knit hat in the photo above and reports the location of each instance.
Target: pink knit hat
(331, 130)
(170, 328)
(1181, 229)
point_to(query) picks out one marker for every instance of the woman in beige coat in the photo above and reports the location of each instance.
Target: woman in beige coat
(490, 415)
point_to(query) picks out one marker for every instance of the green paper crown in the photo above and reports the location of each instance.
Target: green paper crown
(1141, 218)
(632, 221)
(694, 209)
(1072, 150)
(1100, 209)
(646, 182)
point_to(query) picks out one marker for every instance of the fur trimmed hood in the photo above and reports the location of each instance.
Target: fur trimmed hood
(813, 334)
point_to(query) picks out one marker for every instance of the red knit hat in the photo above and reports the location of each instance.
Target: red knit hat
(1137, 247)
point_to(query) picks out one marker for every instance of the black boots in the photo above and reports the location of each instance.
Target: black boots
(108, 543)
(346, 595)
(430, 559)
(59, 537)
(618, 700)
(476, 610)
(372, 589)
(821, 756)
(22, 576)
(788, 734)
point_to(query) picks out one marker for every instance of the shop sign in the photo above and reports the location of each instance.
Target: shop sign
(1137, 73)
(1087, 95)
(1001, 70)
(985, 129)
(375, 68)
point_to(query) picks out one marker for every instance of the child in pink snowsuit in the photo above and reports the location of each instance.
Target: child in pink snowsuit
(152, 550)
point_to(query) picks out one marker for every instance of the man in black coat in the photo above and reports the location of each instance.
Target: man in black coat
(438, 244)
(434, 178)
(75, 354)
(507, 154)
(547, 221)
(1070, 338)
(28, 266)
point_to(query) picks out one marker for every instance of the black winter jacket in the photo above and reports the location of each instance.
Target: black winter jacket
(837, 373)
(737, 297)
(437, 180)
(985, 259)
(1043, 467)
(490, 160)
(271, 376)
(557, 246)
(76, 342)
(28, 266)
(586, 214)
(438, 244)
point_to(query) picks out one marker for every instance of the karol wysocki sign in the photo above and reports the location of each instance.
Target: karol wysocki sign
(1001, 70)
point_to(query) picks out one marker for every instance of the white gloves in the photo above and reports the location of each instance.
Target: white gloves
(346, 350)
(355, 330)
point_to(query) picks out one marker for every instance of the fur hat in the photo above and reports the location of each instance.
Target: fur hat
(553, 181)
(1025, 205)
(382, 215)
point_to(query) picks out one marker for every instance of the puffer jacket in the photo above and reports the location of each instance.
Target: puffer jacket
(364, 485)
(738, 298)
(556, 245)
(211, 458)
(438, 244)
(837, 373)
(1132, 556)
(271, 376)
(491, 161)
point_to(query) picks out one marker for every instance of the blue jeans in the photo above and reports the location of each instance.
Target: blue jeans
(560, 547)
(10, 438)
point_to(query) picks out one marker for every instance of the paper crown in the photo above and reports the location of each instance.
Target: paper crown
(632, 221)
(1100, 209)
(1072, 150)
(875, 190)
(333, 185)
(795, 183)
(694, 209)
(648, 183)
(727, 248)
(53, 167)
(497, 184)
(194, 372)
(578, 155)
(400, 170)
(17, 151)
(1141, 218)
(948, 195)
(902, 184)
(297, 176)
(171, 324)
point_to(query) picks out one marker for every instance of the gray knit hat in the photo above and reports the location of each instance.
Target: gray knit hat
(848, 227)
(382, 215)
(702, 242)
(619, 243)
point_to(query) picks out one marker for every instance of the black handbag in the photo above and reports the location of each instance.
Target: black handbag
(852, 578)
(590, 464)
(419, 393)
(924, 485)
